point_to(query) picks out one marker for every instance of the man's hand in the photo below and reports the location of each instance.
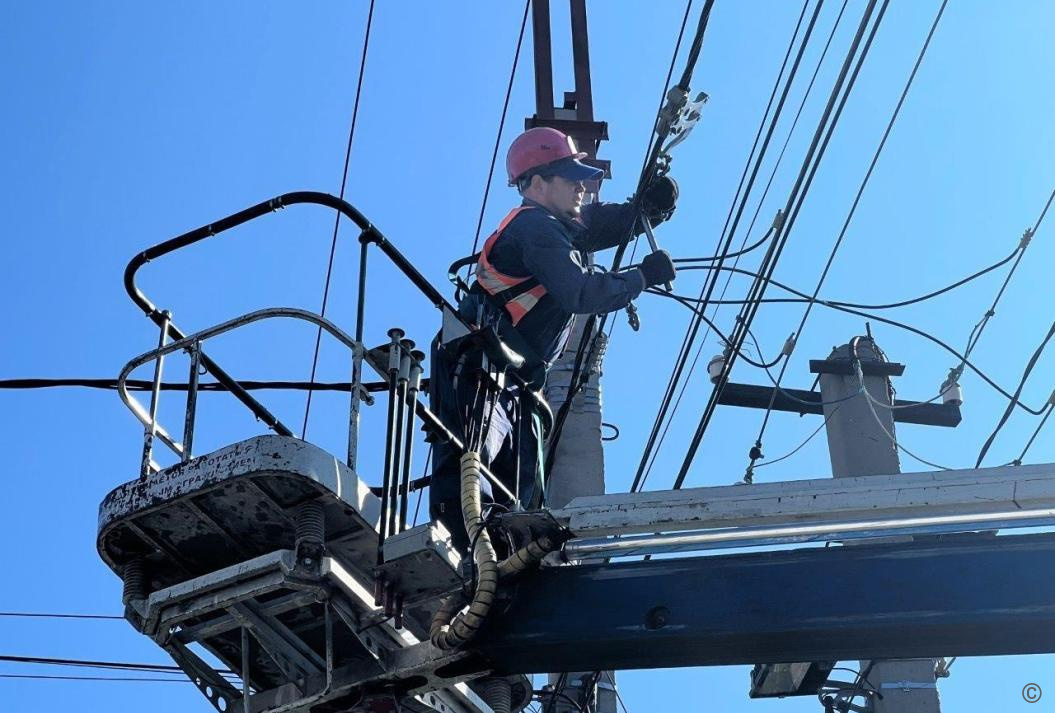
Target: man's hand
(657, 268)
(659, 199)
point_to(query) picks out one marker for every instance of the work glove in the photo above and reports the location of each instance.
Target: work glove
(659, 199)
(657, 268)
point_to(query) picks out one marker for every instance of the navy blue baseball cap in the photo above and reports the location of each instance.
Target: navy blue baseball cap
(571, 169)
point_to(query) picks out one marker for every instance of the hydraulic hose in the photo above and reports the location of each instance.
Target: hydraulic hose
(526, 557)
(447, 633)
(453, 624)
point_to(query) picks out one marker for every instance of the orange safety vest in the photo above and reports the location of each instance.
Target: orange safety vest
(504, 287)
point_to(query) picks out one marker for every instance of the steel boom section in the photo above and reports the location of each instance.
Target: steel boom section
(821, 502)
(974, 595)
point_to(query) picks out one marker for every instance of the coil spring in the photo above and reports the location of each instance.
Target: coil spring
(498, 694)
(311, 523)
(134, 580)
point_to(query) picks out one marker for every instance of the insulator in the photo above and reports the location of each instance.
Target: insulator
(715, 367)
(951, 393)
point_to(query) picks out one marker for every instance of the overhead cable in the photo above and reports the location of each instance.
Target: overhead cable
(976, 333)
(1036, 431)
(594, 324)
(882, 306)
(1018, 392)
(909, 328)
(814, 155)
(725, 256)
(501, 127)
(849, 217)
(125, 679)
(687, 302)
(687, 378)
(736, 208)
(87, 663)
(51, 615)
(603, 319)
(119, 665)
(799, 447)
(337, 219)
(208, 386)
(794, 205)
(872, 402)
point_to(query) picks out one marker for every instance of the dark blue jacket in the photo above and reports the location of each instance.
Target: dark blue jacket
(539, 244)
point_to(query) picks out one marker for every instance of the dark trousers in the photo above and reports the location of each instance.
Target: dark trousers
(481, 416)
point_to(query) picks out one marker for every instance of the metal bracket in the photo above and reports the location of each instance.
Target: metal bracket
(218, 690)
(908, 685)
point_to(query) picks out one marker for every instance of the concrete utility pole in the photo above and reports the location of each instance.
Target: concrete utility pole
(579, 463)
(859, 444)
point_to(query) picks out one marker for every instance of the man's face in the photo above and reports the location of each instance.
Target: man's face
(561, 196)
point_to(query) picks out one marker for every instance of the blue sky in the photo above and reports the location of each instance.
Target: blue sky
(126, 124)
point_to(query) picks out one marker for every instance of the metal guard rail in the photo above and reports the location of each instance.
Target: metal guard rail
(369, 234)
(192, 343)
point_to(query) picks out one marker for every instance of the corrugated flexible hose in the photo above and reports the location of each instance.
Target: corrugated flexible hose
(448, 633)
(466, 623)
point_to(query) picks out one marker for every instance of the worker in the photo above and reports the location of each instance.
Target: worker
(531, 279)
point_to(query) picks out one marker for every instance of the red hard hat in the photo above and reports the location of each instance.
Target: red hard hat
(542, 146)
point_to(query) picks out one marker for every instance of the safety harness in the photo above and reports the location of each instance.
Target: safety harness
(517, 294)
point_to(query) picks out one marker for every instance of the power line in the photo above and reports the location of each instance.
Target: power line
(652, 139)
(49, 615)
(687, 303)
(822, 136)
(883, 306)
(43, 677)
(337, 220)
(118, 665)
(725, 256)
(1018, 391)
(909, 328)
(743, 190)
(872, 402)
(595, 325)
(686, 380)
(210, 386)
(501, 127)
(976, 333)
(87, 663)
(1036, 431)
(853, 210)
(797, 448)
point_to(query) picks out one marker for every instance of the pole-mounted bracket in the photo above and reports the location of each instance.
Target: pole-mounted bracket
(844, 367)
